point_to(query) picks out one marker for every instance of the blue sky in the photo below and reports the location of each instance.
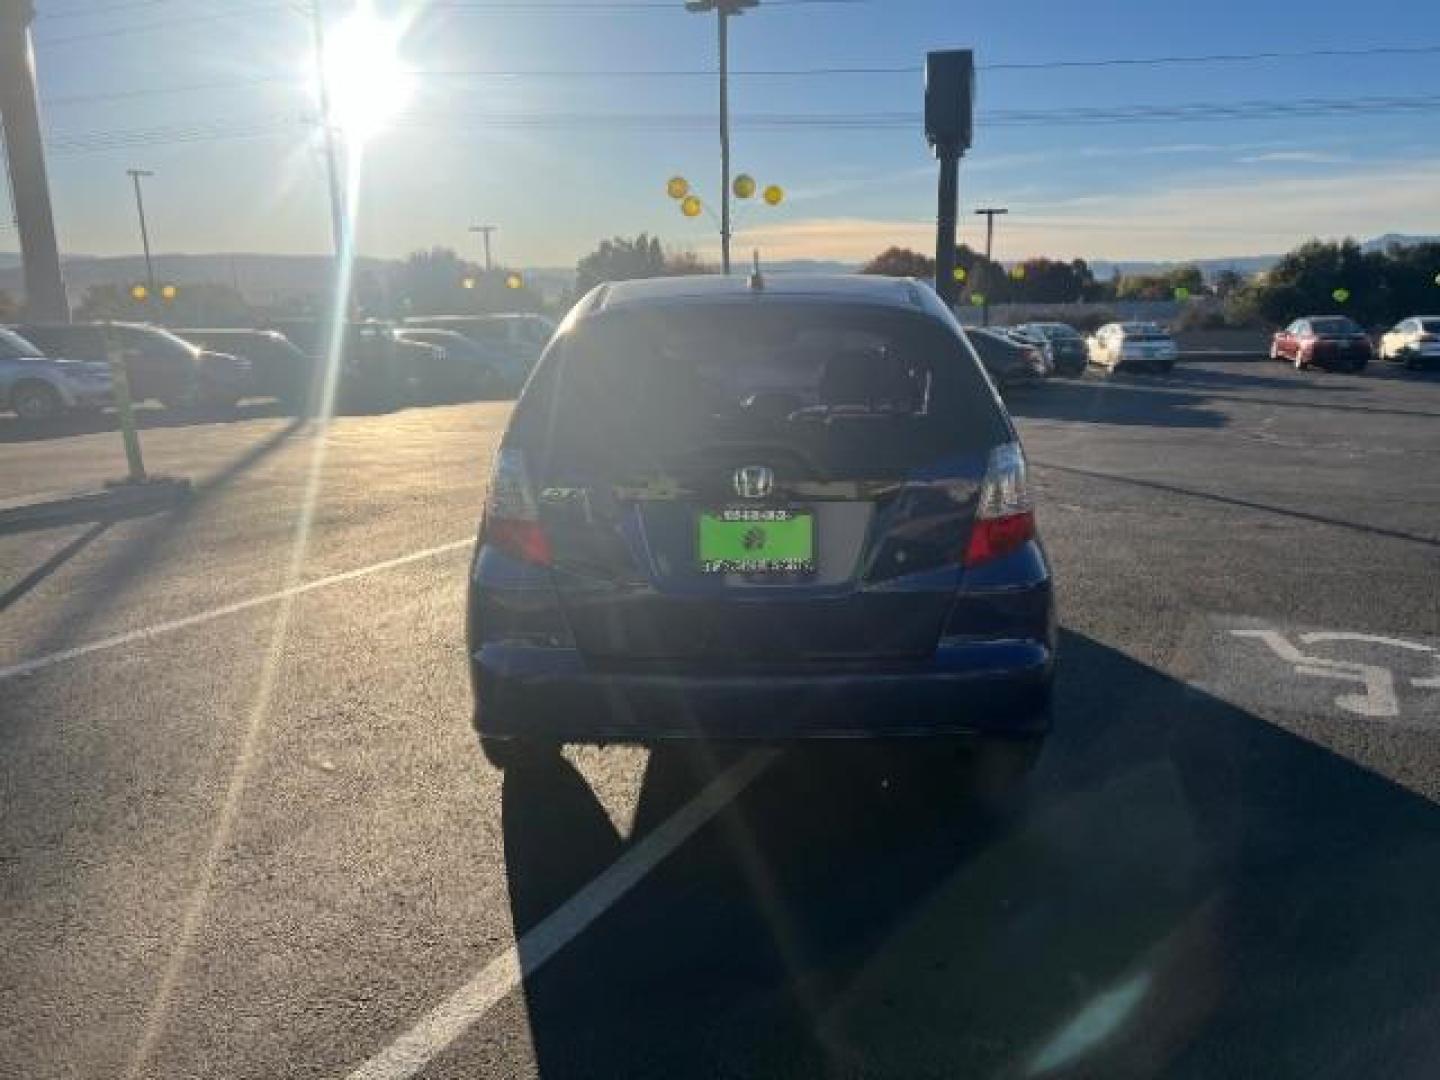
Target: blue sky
(1154, 190)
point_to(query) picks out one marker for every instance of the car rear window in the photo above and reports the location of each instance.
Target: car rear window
(1145, 332)
(1334, 326)
(853, 390)
(1430, 326)
(15, 347)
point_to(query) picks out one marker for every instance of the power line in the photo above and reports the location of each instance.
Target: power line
(605, 7)
(178, 20)
(806, 72)
(92, 10)
(1194, 112)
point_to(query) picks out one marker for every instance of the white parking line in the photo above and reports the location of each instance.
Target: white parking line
(457, 1013)
(25, 667)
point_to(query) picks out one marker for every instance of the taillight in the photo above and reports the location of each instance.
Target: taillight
(512, 518)
(1004, 516)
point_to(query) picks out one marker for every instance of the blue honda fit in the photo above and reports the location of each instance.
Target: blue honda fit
(766, 509)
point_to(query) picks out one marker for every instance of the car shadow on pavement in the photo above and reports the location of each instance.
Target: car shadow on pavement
(1192, 891)
(1245, 377)
(1109, 401)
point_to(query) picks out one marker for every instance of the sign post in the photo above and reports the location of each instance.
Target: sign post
(949, 107)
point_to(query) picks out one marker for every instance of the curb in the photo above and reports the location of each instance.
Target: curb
(119, 500)
(1225, 357)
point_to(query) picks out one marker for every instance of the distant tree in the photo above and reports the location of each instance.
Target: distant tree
(685, 263)
(619, 259)
(622, 259)
(1305, 282)
(1228, 282)
(200, 304)
(901, 262)
(1048, 281)
(440, 282)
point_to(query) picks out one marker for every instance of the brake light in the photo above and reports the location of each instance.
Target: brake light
(1004, 516)
(512, 518)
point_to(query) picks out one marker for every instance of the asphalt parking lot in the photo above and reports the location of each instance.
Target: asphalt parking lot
(246, 831)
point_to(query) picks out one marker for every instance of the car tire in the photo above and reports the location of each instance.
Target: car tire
(35, 402)
(515, 753)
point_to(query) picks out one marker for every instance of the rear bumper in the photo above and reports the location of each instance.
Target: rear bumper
(999, 687)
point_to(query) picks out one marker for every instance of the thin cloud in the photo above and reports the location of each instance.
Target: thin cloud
(1310, 157)
(1226, 217)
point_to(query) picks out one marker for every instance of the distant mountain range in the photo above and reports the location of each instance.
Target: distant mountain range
(265, 278)
(1245, 264)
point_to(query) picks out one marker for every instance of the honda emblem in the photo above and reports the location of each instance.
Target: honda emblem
(754, 481)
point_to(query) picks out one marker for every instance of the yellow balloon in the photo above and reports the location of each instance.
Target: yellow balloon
(514, 281)
(960, 274)
(690, 206)
(678, 187)
(139, 292)
(774, 195)
(744, 186)
(1018, 273)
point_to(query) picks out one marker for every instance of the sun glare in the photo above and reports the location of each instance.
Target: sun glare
(367, 82)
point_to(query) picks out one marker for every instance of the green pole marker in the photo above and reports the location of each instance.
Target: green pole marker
(1182, 293)
(123, 405)
(1341, 295)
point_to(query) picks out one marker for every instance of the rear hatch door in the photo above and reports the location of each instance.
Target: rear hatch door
(758, 482)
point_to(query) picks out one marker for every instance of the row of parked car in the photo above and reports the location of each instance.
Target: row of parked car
(1030, 352)
(49, 368)
(1034, 351)
(1337, 342)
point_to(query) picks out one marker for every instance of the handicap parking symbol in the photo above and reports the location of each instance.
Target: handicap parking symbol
(1377, 694)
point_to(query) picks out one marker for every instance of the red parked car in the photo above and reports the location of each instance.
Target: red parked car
(1329, 341)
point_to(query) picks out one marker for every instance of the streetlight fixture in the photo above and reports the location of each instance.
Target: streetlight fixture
(135, 176)
(989, 213)
(723, 9)
(486, 230)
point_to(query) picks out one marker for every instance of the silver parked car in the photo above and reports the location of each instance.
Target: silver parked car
(38, 387)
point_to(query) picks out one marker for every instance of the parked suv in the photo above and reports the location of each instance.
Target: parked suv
(791, 511)
(158, 365)
(37, 387)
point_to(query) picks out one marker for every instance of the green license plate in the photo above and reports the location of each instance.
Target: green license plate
(750, 540)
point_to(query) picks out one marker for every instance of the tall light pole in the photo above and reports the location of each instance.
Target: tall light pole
(20, 115)
(486, 230)
(723, 10)
(327, 126)
(135, 176)
(990, 213)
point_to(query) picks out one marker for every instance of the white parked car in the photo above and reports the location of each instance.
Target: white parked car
(1414, 342)
(1131, 345)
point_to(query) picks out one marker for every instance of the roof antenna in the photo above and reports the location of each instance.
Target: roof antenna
(757, 283)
